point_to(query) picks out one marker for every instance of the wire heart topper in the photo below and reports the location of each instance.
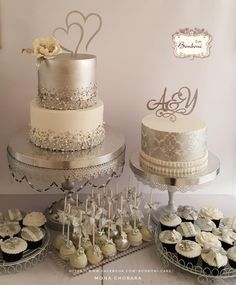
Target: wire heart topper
(80, 29)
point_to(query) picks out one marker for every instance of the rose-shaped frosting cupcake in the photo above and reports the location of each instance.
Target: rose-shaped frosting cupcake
(213, 214)
(226, 236)
(206, 239)
(46, 48)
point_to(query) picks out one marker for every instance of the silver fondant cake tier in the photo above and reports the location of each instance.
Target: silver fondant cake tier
(174, 148)
(67, 82)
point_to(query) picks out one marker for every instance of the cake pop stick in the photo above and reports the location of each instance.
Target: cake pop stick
(121, 208)
(63, 223)
(68, 227)
(135, 204)
(65, 201)
(86, 205)
(109, 216)
(99, 199)
(150, 210)
(93, 224)
(77, 199)
(80, 234)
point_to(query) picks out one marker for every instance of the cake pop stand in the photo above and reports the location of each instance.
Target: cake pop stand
(69, 172)
(173, 184)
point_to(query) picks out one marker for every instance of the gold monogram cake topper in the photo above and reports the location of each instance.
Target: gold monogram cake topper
(181, 102)
(80, 25)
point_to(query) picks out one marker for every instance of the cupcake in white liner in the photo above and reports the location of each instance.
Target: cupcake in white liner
(78, 259)
(231, 253)
(206, 239)
(13, 248)
(66, 250)
(226, 236)
(214, 214)
(214, 260)
(14, 215)
(230, 223)
(33, 236)
(9, 229)
(169, 239)
(94, 254)
(109, 248)
(36, 219)
(188, 230)
(205, 224)
(187, 213)
(169, 221)
(188, 252)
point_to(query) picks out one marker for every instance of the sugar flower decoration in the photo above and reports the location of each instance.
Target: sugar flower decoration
(46, 48)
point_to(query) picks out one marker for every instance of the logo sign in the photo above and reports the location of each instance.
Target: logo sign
(192, 43)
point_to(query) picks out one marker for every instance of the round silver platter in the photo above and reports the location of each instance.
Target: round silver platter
(179, 183)
(30, 258)
(34, 163)
(205, 276)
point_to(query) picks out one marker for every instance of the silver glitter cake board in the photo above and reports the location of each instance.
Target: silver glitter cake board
(30, 258)
(22, 150)
(75, 272)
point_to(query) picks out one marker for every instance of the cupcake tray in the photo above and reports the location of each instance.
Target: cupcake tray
(30, 258)
(205, 276)
(75, 272)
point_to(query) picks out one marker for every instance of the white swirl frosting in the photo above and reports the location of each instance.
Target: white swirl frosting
(170, 219)
(170, 237)
(205, 224)
(211, 213)
(214, 256)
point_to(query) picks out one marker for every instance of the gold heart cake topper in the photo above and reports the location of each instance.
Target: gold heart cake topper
(69, 25)
(181, 102)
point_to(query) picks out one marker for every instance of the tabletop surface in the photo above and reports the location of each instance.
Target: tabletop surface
(143, 267)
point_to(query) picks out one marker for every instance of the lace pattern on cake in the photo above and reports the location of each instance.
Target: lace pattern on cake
(67, 141)
(68, 99)
(174, 146)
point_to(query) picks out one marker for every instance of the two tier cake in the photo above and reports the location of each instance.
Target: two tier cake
(67, 114)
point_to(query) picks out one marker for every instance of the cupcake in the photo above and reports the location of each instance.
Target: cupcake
(78, 259)
(66, 250)
(36, 219)
(230, 223)
(214, 214)
(147, 233)
(169, 239)
(187, 213)
(33, 236)
(231, 253)
(206, 239)
(109, 248)
(13, 248)
(188, 252)
(14, 215)
(205, 224)
(188, 230)
(226, 236)
(135, 238)
(94, 254)
(169, 221)
(8, 230)
(214, 259)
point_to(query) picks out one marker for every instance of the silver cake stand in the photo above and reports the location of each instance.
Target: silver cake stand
(173, 184)
(68, 171)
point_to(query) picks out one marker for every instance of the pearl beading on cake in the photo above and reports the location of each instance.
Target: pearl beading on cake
(67, 141)
(68, 99)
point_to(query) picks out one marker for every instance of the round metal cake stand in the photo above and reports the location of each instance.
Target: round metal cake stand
(30, 257)
(70, 172)
(173, 184)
